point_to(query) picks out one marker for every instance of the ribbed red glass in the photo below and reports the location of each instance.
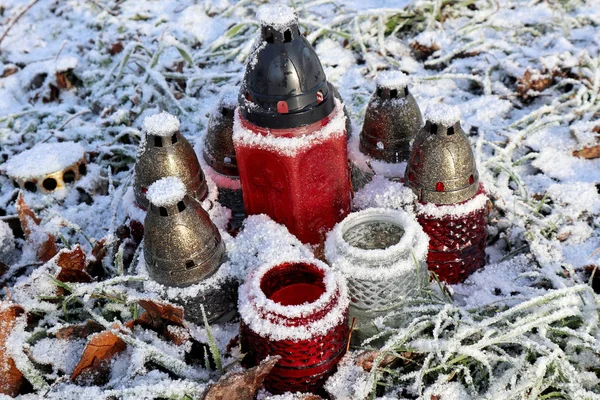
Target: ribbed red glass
(456, 244)
(305, 364)
(308, 192)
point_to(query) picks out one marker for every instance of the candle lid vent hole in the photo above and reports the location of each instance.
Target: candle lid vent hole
(49, 183)
(68, 177)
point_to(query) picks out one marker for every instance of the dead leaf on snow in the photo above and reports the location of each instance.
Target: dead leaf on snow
(589, 153)
(11, 379)
(241, 385)
(72, 266)
(533, 80)
(94, 365)
(366, 359)
(160, 312)
(30, 223)
(79, 331)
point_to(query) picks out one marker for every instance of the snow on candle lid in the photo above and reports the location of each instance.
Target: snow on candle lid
(276, 15)
(392, 80)
(442, 114)
(166, 191)
(161, 124)
(43, 159)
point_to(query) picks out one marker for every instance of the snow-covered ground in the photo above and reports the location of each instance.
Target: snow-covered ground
(526, 78)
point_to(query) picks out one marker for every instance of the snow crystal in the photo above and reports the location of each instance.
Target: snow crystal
(453, 210)
(442, 114)
(380, 192)
(253, 304)
(278, 16)
(43, 159)
(350, 381)
(446, 391)
(289, 146)
(392, 80)
(162, 124)
(166, 191)
(377, 264)
(62, 354)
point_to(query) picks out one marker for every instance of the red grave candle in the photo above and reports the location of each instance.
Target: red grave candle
(298, 310)
(289, 134)
(452, 206)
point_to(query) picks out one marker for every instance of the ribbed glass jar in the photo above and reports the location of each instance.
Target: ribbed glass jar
(298, 310)
(381, 252)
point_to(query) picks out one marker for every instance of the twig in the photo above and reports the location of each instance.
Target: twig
(16, 18)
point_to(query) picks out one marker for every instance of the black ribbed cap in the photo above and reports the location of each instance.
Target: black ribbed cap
(284, 85)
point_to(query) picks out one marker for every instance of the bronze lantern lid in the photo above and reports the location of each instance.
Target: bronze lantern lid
(181, 244)
(164, 151)
(441, 168)
(219, 152)
(392, 119)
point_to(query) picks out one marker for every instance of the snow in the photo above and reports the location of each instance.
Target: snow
(392, 80)
(43, 159)
(459, 210)
(278, 16)
(7, 241)
(166, 191)
(442, 114)
(289, 146)
(381, 192)
(162, 124)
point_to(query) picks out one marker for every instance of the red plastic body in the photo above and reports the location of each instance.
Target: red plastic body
(305, 364)
(456, 244)
(308, 192)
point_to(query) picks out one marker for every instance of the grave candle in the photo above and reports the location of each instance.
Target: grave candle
(297, 309)
(289, 133)
(392, 121)
(381, 252)
(452, 204)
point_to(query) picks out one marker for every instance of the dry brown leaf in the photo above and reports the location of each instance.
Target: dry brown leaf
(72, 266)
(588, 152)
(162, 312)
(9, 70)
(366, 359)
(29, 222)
(63, 81)
(241, 385)
(79, 331)
(116, 48)
(423, 52)
(94, 365)
(533, 80)
(11, 379)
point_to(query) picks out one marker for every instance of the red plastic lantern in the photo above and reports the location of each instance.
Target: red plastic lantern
(299, 311)
(289, 133)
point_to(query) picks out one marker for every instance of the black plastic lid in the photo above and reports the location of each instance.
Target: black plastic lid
(284, 85)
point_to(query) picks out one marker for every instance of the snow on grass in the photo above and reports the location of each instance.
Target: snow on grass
(91, 72)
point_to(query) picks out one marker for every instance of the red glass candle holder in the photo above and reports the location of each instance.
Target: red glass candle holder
(457, 236)
(297, 176)
(299, 311)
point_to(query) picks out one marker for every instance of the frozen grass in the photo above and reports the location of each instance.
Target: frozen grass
(526, 326)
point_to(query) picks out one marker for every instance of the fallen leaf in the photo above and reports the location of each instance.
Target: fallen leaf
(79, 331)
(533, 80)
(241, 385)
(588, 152)
(30, 222)
(72, 266)
(366, 359)
(163, 312)
(9, 70)
(63, 81)
(94, 365)
(116, 48)
(421, 51)
(11, 379)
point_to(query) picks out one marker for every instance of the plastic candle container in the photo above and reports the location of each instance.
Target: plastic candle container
(298, 310)
(381, 252)
(392, 121)
(219, 155)
(289, 133)
(452, 204)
